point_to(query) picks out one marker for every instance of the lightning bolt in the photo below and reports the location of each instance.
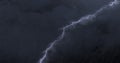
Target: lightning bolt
(83, 20)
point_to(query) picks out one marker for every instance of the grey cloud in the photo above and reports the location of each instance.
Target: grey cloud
(28, 26)
(95, 42)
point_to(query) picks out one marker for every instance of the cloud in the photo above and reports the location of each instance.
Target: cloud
(28, 26)
(95, 42)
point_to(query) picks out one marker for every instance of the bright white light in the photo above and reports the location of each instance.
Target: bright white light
(83, 20)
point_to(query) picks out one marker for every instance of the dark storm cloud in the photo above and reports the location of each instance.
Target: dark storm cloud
(28, 26)
(96, 42)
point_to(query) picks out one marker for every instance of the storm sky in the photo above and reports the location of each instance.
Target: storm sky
(27, 27)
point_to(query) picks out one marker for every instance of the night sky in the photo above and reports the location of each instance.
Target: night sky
(27, 27)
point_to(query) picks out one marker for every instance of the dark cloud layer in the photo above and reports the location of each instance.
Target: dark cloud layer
(28, 26)
(96, 42)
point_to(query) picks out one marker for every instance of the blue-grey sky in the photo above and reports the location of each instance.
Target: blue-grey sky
(28, 26)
